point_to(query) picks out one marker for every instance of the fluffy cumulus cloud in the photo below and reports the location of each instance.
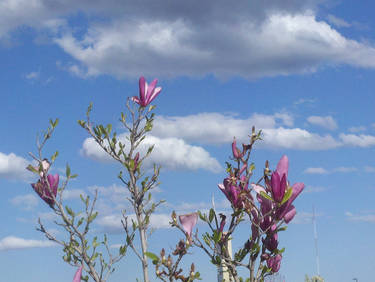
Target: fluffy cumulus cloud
(194, 38)
(13, 243)
(298, 139)
(361, 140)
(14, 167)
(276, 133)
(190, 127)
(326, 122)
(170, 153)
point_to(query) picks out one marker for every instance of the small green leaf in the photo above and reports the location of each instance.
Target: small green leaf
(211, 215)
(69, 211)
(265, 195)
(32, 169)
(287, 195)
(67, 172)
(153, 257)
(92, 217)
(122, 250)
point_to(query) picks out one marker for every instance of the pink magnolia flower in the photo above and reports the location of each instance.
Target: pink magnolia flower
(274, 262)
(77, 276)
(41, 188)
(297, 188)
(279, 179)
(147, 93)
(236, 152)
(188, 221)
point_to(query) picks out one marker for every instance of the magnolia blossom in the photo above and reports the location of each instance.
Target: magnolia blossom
(279, 182)
(147, 93)
(77, 276)
(188, 221)
(236, 152)
(274, 263)
(41, 188)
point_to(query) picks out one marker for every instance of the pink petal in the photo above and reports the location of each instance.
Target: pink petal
(188, 221)
(150, 89)
(283, 166)
(77, 276)
(136, 100)
(142, 89)
(258, 188)
(153, 95)
(291, 212)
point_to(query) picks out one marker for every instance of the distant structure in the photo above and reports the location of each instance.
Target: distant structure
(316, 278)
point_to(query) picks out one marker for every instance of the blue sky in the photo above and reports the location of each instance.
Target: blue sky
(301, 72)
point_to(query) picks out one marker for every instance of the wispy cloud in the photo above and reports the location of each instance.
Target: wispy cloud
(14, 243)
(314, 189)
(316, 170)
(338, 21)
(356, 129)
(360, 217)
(26, 202)
(370, 169)
(321, 170)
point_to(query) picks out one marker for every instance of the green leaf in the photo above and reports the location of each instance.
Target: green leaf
(54, 156)
(202, 216)
(211, 216)
(153, 257)
(265, 195)
(287, 195)
(67, 172)
(69, 211)
(122, 250)
(92, 217)
(32, 169)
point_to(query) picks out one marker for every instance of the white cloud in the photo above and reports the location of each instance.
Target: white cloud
(315, 170)
(184, 47)
(326, 122)
(195, 38)
(14, 167)
(170, 153)
(360, 217)
(218, 128)
(362, 140)
(296, 139)
(355, 129)
(190, 128)
(26, 202)
(304, 101)
(13, 243)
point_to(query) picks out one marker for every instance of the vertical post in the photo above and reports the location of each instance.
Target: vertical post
(223, 274)
(316, 243)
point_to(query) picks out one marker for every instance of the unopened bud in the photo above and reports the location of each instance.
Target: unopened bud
(162, 255)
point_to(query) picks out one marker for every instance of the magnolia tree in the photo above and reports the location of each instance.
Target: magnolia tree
(265, 205)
